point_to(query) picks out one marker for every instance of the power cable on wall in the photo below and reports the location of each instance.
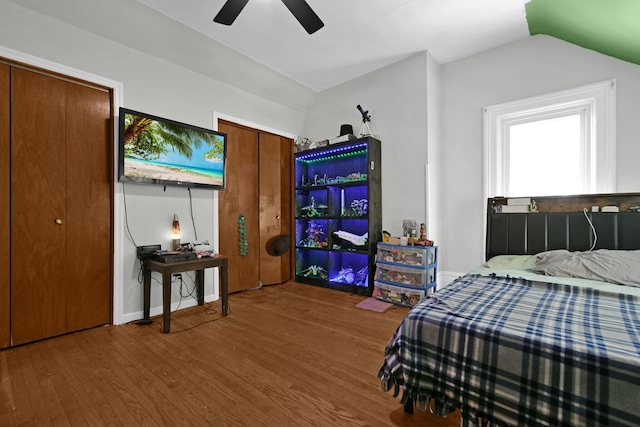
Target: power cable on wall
(593, 229)
(195, 232)
(126, 216)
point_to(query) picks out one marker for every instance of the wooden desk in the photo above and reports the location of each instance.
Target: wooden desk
(170, 268)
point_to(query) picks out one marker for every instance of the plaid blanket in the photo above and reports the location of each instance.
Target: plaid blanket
(521, 353)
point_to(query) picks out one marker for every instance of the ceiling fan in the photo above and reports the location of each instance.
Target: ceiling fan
(299, 8)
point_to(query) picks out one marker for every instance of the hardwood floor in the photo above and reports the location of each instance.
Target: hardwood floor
(287, 355)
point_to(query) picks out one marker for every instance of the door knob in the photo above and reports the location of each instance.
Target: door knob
(59, 221)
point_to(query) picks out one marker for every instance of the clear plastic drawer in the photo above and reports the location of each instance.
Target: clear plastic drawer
(398, 294)
(407, 276)
(419, 256)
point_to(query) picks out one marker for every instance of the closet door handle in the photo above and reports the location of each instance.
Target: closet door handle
(59, 221)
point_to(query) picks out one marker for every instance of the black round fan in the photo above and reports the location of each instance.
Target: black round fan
(299, 8)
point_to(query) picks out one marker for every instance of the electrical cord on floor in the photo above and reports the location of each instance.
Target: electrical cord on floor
(142, 322)
(255, 288)
(208, 309)
(197, 325)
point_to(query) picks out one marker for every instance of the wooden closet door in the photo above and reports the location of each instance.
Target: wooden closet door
(89, 177)
(5, 202)
(275, 204)
(240, 197)
(259, 180)
(38, 245)
(61, 185)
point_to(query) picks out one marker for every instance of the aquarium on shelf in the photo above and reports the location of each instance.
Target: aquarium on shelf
(311, 233)
(311, 204)
(350, 201)
(312, 264)
(349, 268)
(338, 164)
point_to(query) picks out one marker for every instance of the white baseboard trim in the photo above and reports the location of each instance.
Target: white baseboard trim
(446, 277)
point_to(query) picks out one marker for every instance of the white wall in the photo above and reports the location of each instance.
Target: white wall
(534, 66)
(422, 112)
(156, 85)
(396, 98)
(434, 141)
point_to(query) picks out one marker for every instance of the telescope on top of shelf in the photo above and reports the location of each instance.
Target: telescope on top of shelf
(366, 118)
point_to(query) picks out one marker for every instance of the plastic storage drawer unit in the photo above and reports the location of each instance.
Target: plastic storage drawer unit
(405, 273)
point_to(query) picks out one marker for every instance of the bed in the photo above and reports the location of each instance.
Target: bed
(518, 341)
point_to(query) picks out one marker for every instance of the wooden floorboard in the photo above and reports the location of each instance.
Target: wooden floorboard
(287, 355)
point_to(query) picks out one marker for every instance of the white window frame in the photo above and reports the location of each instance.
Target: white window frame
(595, 102)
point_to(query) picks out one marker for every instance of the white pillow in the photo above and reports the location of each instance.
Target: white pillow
(512, 262)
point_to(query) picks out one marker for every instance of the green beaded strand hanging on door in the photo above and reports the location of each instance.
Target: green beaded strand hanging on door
(243, 242)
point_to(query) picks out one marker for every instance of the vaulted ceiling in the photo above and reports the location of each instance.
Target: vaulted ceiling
(360, 36)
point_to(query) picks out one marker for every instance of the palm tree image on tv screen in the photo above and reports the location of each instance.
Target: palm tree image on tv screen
(162, 151)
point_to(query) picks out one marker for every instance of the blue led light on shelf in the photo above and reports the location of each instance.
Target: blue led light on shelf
(338, 152)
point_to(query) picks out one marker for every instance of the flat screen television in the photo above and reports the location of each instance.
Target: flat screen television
(154, 150)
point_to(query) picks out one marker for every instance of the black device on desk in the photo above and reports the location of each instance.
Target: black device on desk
(146, 252)
(173, 256)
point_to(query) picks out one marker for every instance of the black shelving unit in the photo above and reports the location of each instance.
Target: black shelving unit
(338, 211)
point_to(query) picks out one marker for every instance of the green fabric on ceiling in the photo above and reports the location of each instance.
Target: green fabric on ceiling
(611, 27)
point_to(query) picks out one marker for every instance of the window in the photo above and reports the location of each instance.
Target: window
(555, 144)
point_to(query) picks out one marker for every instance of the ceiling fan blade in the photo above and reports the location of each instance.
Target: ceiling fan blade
(230, 11)
(304, 14)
